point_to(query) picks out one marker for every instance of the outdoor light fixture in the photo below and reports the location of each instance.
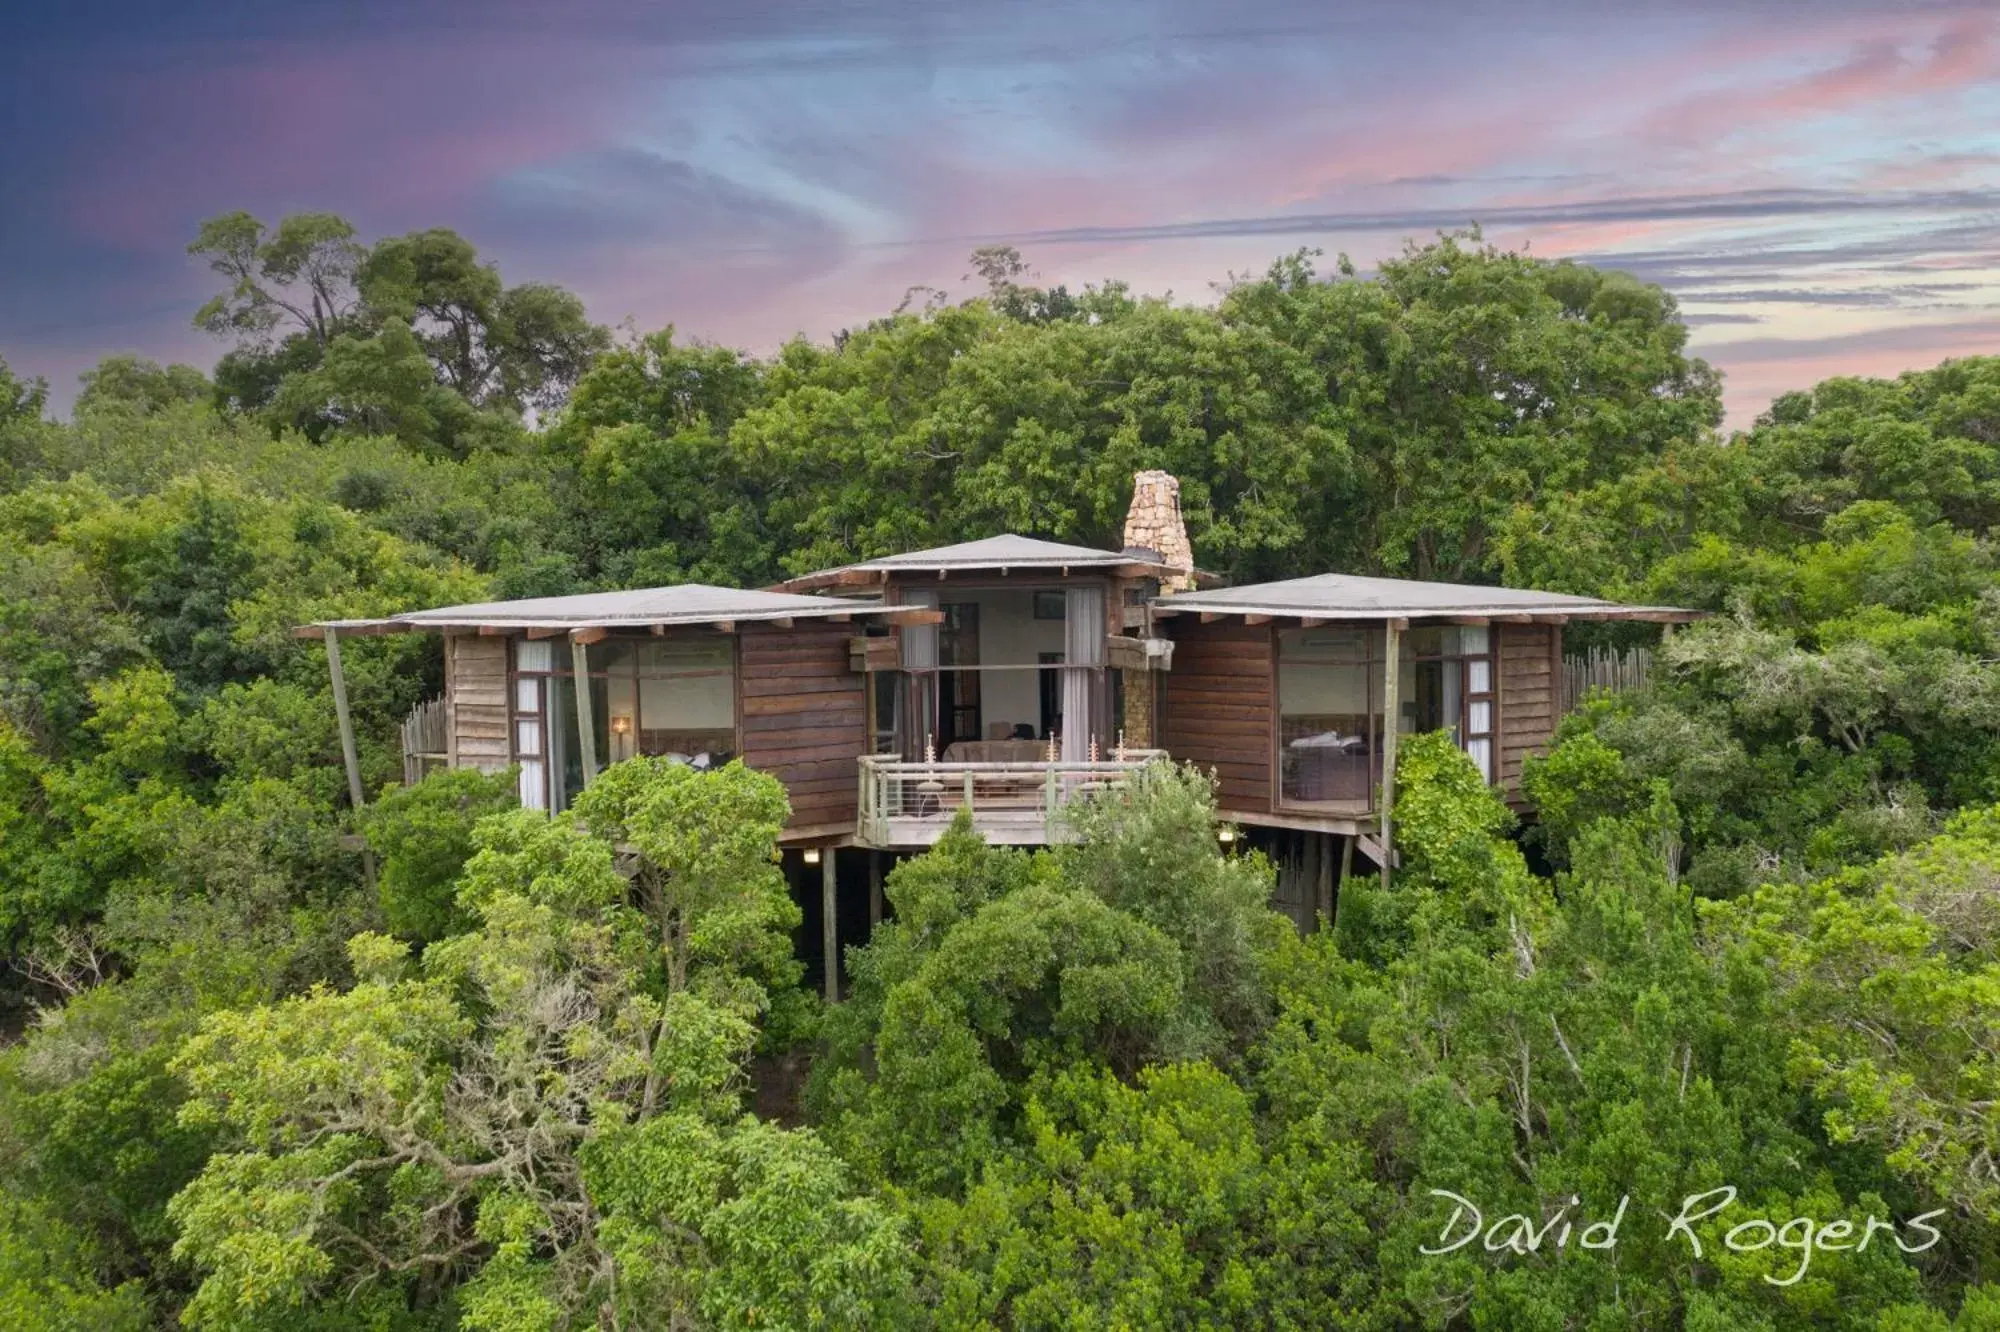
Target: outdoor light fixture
(1226, 836)
(621, 726)
(812, 855)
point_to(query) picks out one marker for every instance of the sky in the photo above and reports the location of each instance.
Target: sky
(1817, 181)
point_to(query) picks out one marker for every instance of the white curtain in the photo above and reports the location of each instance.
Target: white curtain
(916, 702)
(1083, 662)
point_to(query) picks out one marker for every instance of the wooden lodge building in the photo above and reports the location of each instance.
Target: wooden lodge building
(1011, 675)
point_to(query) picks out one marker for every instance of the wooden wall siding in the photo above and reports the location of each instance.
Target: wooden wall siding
(1216, 707)
(802, 714)
(1528, 695)
(476, 698)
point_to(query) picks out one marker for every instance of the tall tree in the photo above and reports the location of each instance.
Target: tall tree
(296, 277)
(20, 399)
(519, 346)
(140, 385)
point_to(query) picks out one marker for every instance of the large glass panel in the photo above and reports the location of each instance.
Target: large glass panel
(621, 707)
(1325, 734)
(1446, 676)
(1438, 695)
(565, 765)
(534, 655)
(1433, 640)
(685, 698)
(611, 656)
(890, 690)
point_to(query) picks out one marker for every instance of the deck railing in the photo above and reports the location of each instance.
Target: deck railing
(908, 803)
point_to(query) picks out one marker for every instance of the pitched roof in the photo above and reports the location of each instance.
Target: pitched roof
(1006, 551)
(686, 603)
(1352, 597)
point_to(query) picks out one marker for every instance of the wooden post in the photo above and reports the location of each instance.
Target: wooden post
(829, 925)
(874, 890)
(586, 725)
(1325, 867)
(348, 755)
(1346, 867)
(1392, 725)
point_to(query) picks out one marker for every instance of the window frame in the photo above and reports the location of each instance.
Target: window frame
(563, 668)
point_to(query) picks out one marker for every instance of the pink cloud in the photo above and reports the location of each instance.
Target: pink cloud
(1759, 370)
(397, 127)
(1878, 68)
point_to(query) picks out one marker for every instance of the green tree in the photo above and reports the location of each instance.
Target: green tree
(140, 385)
(526, 1123)
(518, 346)
(297, 276)
(423, 833)
(20, 400)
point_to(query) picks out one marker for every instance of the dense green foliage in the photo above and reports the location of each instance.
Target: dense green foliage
(1752, 940)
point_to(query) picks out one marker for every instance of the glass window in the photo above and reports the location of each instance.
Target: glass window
(1330, 704)
(611, 656)
(663, 696)
(1480, 751)
(1326, 717)
(1446, 684)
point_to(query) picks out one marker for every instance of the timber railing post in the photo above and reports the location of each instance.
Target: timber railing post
(1392, 725)
(348, 755)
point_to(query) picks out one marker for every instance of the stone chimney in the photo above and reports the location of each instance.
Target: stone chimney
(1154, 523)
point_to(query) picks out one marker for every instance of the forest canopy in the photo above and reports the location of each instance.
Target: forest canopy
(524, 1077)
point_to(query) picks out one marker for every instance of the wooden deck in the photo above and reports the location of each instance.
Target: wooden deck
(908, 805)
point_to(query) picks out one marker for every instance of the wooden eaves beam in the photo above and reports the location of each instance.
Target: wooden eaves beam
(352, 630)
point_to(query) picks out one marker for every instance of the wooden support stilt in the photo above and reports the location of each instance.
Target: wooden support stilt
(1392, 726)
(586, 725)
(829, 924)
(348, 754)
(1325, 911)
(874, 891)
(1346, 868)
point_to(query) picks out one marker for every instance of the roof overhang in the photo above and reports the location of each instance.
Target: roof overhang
(876, 575)
(1470, 614)
(593, 627)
